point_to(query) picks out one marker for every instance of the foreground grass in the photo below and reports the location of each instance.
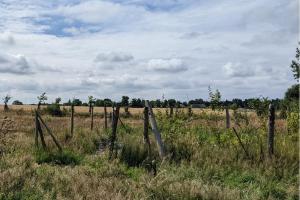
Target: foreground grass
(204, 161)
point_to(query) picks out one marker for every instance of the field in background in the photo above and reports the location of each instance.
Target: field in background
(205, 160)
(85, 109)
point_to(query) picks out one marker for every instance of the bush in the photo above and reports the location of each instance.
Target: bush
(54, 110)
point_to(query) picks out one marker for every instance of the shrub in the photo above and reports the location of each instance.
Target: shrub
(54, 110)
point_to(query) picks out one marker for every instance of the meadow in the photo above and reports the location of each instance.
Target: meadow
(204, 158)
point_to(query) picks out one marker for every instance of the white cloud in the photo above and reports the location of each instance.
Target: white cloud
(173, 65)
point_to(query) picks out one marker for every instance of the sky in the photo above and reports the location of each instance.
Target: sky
(146, 49)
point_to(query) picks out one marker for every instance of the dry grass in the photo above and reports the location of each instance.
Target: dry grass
(199, 165)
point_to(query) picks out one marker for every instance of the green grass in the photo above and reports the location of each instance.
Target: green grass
(57, 158)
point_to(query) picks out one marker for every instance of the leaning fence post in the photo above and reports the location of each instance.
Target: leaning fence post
(50, 133)
(72, 120)
(241, 143)
(92, 117)
(105, 117)
(271, 129)
(41, 135)
(153, 123)
(146, 128)
(227, 118)
(114, 130)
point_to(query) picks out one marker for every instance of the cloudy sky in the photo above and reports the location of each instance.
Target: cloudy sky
(144, 48)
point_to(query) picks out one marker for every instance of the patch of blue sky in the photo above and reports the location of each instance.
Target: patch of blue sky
(61, 27)
(157, 5)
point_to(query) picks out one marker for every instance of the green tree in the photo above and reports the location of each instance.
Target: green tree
(17, 102)
(125, 101)
(58, 100)
(77, 102)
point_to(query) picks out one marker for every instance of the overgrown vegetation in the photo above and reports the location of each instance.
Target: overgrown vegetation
(204, 160)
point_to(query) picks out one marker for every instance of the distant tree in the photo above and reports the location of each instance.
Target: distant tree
(42, 99)
(17, 102)
(296, 64)
(158, 103)
(6, 100)
(77, 102)
(125, 101)
(171, 102)
(99, 102)
(69, 103)
(165, 103)
(108, 102)
(58, 100)
(215, 98)
(238, 102)
(136, 103)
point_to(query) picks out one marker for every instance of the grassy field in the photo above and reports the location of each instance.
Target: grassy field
(205, 160)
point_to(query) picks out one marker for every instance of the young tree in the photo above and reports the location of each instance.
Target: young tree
(42, 99)
(215, 98)
(6, 100)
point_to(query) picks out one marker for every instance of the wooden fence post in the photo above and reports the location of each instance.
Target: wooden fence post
(171, 111)
(146, 128)
(92, 117)
(72, 120)
(105, 117)
(36, 130)
(114, 130)
(153, 123)
(227, 118)
(190, 112)
(271, 130)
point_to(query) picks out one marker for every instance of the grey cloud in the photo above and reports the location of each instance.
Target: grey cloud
(15, 64)
(7, 39)
(238, 70)
(193, 35)
(173, 65)
(113, 57)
